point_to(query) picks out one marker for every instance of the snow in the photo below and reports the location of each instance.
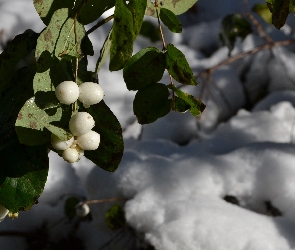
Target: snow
(177, 172)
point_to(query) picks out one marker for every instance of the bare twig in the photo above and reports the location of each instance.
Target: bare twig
(259, 28)
(99, 23)
(209, 71)
(104, 200)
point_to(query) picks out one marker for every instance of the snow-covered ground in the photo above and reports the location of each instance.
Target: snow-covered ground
(177, 173)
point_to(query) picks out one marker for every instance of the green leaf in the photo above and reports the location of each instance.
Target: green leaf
(137, 8)
(196, 106)
(14, 96)
(179, 105)
(145, 67)
(170, 20)
(93, 9)
(280, 10)
(104, 52)
(56, 51)
(263, 11)
(110, 151)
(46, 8)
(70, 207)
(20, 47)
(176, 6)
(23, 172)
(59, 36)
(115, 217)
(148, 29)
(32, 123)
(233, 26)
(151, 103)
(122, 36)
(178, 66)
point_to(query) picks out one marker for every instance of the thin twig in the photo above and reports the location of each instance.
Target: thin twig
(209, 71)
(99, 23)
(259, 28)
(103, 200)
(77, 48)
(160, 27)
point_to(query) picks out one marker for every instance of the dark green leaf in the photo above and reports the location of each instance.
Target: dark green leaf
(137, 8)
(104, 52)
(70, 207)
(263, 11)
(176, 6)
(23, 174)
(93, 9)
(170, 20)
(110, 151)
(151, 103)
(196, 106)
(178, 66)
(148, 29)
(292, 6)
(233, 26)
(145, 67)
(280, 10)
(179, 105)
(122, 36)
(14, 96)
(19, 48)
(115, 217)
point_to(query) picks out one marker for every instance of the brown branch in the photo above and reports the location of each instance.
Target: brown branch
(99, 23)
(208, 72)
(259, 28)
(103, 200)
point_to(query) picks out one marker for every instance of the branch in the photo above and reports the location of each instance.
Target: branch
(99, 23)
(271, 45)
(103, 200)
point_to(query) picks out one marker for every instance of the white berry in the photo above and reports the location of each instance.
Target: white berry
(3, 212)
(90, 93)
(81, 123)
(80, 151)
(89, 141)
(58, 144)
(70, 155)
(67, 92)
(82, 210)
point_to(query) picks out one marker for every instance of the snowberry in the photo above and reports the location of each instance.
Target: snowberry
(81, 123)
(70, 155)
(67, 92)
(89, 141)
(3, 212)
(82, 209)
(80, 152)
(90, 93)
(58, 144)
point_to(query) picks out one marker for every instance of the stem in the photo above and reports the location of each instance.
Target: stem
(99, 23)
(163, 41)
(75, 106)
(103, 200)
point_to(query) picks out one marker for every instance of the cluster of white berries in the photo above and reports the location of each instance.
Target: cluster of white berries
(80, 124)
(88, 93)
